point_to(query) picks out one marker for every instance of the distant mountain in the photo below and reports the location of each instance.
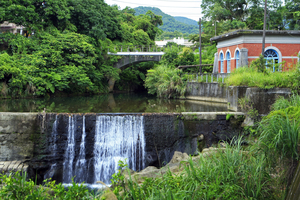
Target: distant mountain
(187, 21)
(170, 24)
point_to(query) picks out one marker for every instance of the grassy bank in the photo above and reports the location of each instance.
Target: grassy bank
(255, 76)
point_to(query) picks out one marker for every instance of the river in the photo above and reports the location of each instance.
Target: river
(109, 103)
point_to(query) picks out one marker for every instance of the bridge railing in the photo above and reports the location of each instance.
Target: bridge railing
(208, 77)
(136, 48)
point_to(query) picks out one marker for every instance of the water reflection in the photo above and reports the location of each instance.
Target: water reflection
(109, 103)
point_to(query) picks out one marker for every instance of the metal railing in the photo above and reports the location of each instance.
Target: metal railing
(135, 48)
(208, 77)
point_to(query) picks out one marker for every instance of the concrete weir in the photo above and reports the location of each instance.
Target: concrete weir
(39, 142)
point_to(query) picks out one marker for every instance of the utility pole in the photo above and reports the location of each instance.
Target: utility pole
(216, 28)
(264, 31)
(200, 48)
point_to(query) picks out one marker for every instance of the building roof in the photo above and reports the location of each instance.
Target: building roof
(237, 33)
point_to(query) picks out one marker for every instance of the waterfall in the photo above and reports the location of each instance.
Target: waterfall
(70, 152)
(92, 154)
(53, 148)
(81, 161)
(118, 138)
(53, 136)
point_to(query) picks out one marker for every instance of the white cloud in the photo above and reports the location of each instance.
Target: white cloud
(190, 8)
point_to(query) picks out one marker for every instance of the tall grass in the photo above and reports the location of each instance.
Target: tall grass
(283, 103)
(248, 76)
(279, 135)
(230, 173)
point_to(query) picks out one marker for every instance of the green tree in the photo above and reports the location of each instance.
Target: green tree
(224, 10)
(95, 18)
(149, 23)
(36, 15)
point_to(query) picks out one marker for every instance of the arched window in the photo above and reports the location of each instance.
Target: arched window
(272, 58)
(222, 62)
(228, 62)
(237, 58)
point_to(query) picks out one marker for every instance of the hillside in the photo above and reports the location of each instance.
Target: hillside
(170, 24)
(186, 21)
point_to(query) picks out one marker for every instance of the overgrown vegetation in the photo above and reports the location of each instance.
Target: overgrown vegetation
(166, 80)
(266, 79)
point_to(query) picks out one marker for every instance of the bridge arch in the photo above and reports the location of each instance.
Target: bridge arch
(129, 58)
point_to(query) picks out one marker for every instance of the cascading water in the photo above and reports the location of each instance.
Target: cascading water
(118, 138)
(70, 152)
(114, 138)
(81, 161)
(53, 149)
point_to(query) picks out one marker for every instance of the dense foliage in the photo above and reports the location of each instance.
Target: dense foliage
(64, 48)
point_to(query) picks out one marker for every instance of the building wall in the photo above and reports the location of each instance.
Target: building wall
(288, 52)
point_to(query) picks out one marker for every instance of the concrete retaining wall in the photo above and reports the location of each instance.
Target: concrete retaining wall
(260, 99)
(206, 92)
(17, 135)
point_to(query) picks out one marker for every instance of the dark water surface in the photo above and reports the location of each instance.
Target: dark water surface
(109, 103)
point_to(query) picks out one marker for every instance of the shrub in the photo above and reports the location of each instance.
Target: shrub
(165, 82)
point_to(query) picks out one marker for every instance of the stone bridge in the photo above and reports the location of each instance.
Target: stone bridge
(129, 58)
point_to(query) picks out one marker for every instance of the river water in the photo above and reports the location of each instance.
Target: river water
(109, 103)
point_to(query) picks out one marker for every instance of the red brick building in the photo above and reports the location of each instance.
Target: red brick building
(239, 48)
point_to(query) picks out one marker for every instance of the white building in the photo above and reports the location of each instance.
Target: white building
(179, 41)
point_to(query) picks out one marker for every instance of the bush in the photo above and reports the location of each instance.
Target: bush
(165, 82)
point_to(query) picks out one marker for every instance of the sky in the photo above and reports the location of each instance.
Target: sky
(189, 8)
